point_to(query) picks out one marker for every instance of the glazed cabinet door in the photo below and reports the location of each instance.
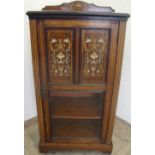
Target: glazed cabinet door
(57, 68)
(98, 47)
(77, 62)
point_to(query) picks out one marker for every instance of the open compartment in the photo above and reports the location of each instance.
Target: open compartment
(72, 130)
(76, 105)
(75, 115)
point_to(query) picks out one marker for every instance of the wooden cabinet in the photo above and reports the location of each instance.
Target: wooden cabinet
(77, 54)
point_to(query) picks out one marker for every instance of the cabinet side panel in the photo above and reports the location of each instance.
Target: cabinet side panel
(119, 56)
(35, 61)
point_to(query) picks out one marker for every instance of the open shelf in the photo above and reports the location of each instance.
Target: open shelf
(76, 105)
(75, 116)
(68, 129)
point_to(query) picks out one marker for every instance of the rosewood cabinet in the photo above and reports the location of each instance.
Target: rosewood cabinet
(77, 53)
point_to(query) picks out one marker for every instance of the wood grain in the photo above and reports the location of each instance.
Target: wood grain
(35, 61)
(119, 57)
(87, 106)
(77, 59)
(79, 6)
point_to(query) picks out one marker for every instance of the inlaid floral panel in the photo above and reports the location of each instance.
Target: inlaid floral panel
(94, 54)
(60, 55)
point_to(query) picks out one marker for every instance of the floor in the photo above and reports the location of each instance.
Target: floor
(121, 141)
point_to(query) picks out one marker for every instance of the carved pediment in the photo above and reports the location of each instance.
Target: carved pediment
(78, 6)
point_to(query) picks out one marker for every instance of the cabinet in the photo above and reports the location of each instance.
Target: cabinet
(77, 53)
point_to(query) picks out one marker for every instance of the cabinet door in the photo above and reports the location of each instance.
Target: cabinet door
(60, 55)
(94, 54)
(98, 50)
(56, 54)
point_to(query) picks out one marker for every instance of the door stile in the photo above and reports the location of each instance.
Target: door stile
(44, 83)
(110, 79)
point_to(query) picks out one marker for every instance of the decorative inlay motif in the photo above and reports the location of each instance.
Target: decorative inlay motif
(94, 50)
(78, 5)
(60, 55)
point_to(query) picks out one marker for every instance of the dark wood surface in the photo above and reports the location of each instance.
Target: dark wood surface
(118, 66)
(79, 10)
(76, 15)
(75, 130)
(78, 6)
(79, 105)
(77, 65)
(35, 61)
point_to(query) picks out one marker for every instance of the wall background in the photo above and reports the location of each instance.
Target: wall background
(124, 99)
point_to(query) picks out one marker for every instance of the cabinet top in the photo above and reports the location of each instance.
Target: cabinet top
(77, 9)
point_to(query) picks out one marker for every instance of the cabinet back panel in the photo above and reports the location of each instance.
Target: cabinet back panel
(73, 130)
(76, 105)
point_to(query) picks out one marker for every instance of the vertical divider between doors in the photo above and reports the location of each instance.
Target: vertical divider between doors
(77, 55)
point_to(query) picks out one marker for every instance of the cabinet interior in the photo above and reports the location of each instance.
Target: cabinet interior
(75, 115)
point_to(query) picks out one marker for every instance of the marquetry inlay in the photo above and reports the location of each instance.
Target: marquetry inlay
(60, 55)
(94, 54)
